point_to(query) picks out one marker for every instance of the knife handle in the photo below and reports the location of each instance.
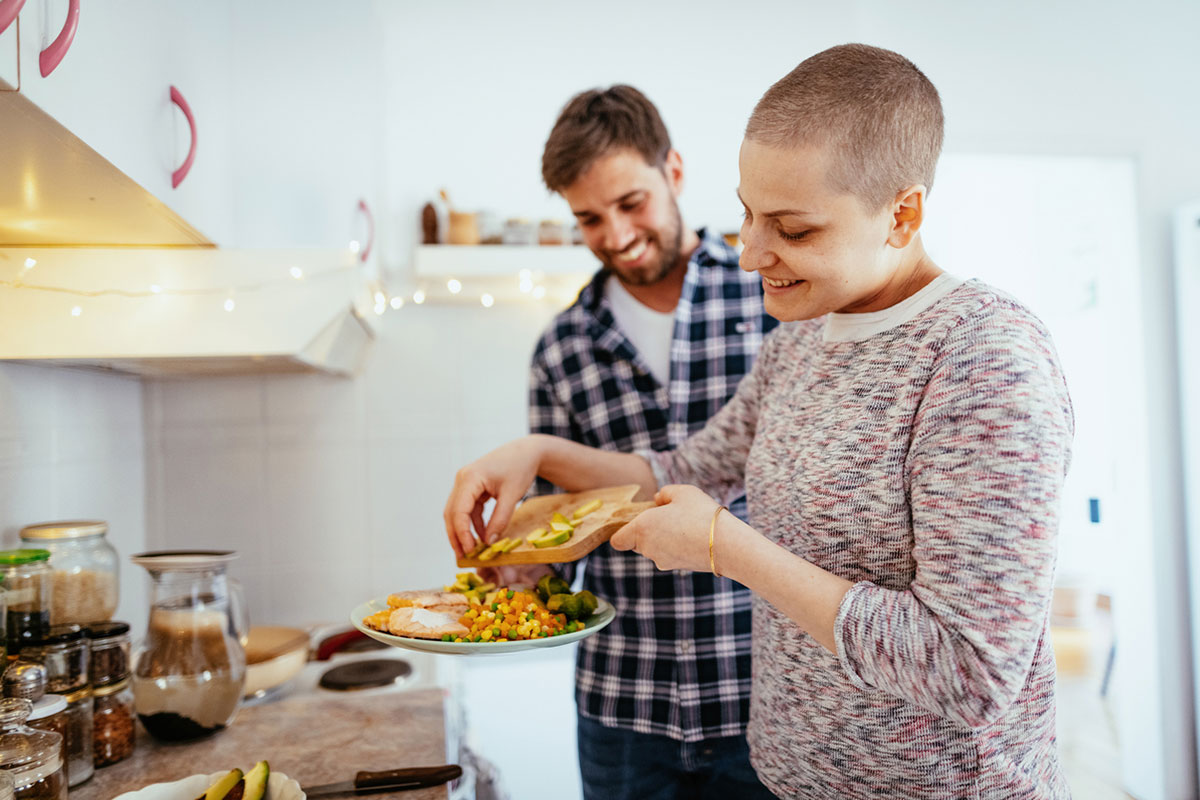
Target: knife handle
(418, 776)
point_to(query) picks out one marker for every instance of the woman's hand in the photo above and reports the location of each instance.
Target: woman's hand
(503, 475)
(675, 534)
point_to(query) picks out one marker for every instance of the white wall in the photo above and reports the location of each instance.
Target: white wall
(476, 86)
(71, 447)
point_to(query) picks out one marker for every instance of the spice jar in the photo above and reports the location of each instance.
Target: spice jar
(83, 568)
(26, 575)
(112, 724)
(50, 714)
(33, 758)
(63, 651)
(109, 658)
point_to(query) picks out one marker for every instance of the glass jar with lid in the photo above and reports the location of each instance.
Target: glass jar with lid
(7, 787)
(83, 566)
(113, 734)
(109, 659)
(26, 575)
(33, 758)
(63, 651)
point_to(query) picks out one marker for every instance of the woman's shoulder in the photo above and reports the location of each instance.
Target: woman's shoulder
(978, 313)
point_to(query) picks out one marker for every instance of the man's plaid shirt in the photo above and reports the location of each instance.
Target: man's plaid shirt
(676, 660)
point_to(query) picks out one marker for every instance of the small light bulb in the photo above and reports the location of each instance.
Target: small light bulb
(380, 308)
(155, 288)
(486, 300)
(419, 296)
(30, 263)
(296, 273)
(355, 246)
(539, 292)
(454, 286)
(229, 304)
(526, 285)
(76, 311)
(397, 302)
(525, 275)
(380, 298)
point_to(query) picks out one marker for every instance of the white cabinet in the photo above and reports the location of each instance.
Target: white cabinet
(111, 88)
(307, 121)
(285, 96)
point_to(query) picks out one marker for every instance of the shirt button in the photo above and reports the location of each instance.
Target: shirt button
(685, 647)
(741, 327)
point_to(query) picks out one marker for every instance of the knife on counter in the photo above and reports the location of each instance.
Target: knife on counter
(392, 780)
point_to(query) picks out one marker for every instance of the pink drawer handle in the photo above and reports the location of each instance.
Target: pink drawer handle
(8, 12)
(366, 251)
(178, 175)
(52, 56)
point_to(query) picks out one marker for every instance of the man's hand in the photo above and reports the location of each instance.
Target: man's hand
(675, 534)
(503, 475)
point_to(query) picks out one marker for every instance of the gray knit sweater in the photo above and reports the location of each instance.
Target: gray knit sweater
(925, 464)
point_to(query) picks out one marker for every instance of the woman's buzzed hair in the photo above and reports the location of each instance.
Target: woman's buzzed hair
(879, 113)
(598, 122)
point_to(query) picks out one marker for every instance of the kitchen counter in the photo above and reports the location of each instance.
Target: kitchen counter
(312, 739)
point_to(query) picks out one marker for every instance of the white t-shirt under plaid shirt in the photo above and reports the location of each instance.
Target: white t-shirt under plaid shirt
(676, 660)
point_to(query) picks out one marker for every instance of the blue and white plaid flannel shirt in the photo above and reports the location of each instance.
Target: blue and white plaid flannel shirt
(676, 660)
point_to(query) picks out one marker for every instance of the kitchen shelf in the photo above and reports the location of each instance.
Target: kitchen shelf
(501, 260)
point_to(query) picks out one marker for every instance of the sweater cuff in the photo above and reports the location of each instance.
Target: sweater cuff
(843, 631)
(659, 463)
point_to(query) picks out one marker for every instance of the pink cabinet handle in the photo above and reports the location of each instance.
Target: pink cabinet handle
(366, 251)
(52, 56)
(8, 12)
(178, 175)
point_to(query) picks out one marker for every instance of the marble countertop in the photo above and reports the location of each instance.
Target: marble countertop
(315, 740)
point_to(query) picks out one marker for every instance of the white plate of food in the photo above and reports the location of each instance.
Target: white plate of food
(429, 617)
(279, 787)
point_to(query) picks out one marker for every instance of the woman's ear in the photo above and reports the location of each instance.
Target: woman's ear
(908, 212)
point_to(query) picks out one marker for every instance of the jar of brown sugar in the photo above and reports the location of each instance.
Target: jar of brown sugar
(113, 733)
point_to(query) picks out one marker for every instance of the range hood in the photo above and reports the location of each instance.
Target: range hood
(176, 311)
(97, 272)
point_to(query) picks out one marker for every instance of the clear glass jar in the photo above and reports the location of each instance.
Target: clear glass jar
(33, 758)
(50, 714)
(26, 575)
(83, 569)
(3, 624)
(7, 787)
(63, 651)
(109, 659)
(113, 734)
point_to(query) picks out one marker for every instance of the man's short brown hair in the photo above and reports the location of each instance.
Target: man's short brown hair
(879, 113)
(598, 122)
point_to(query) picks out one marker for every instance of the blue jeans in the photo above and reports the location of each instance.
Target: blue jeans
(618, 764)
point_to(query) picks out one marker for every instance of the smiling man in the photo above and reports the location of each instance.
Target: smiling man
(652, 347)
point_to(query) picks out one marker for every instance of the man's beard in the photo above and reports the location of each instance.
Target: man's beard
(668, 242)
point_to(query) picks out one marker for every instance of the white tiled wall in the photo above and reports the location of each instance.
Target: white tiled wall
(331, 489)
(72, 447)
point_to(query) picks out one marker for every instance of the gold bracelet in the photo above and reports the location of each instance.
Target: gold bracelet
(712, 527)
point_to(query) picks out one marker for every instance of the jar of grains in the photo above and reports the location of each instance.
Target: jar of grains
(63, 651)
(32, 757)
(26, 575)
(83, 569)
(109, 659)
(112, 723)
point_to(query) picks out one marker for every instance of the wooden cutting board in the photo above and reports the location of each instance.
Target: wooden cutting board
(592, 531)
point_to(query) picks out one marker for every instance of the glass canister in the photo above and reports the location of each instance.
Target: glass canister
(112, 723)
(7, 787)
(50, 714)
(109, 659)
(63, 651)
(32, 757)
(190, 670)
(27, 589)
(83, 569)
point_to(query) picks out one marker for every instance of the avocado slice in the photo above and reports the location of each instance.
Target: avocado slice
(256, 781)
(551, 539)
(223, 786)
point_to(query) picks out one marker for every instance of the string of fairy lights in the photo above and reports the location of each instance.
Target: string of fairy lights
(530, 284)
